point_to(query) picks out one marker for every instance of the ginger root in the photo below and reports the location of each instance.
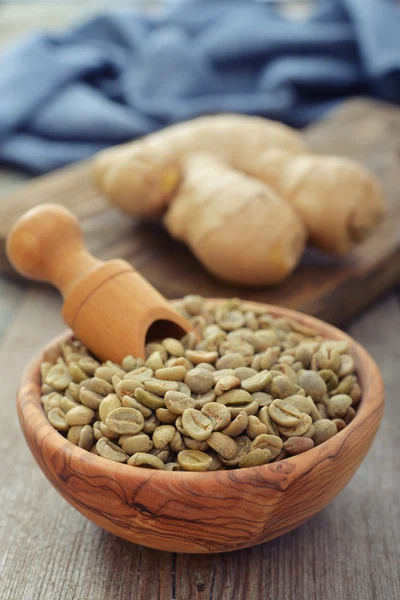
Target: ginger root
(243, 193)
(248, 236)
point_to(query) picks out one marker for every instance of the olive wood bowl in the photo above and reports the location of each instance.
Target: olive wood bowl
(204, 512)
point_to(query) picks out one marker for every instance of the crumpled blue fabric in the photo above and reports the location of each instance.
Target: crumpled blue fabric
(124, 74)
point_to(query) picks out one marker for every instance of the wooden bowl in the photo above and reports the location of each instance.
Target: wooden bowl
(204, 512)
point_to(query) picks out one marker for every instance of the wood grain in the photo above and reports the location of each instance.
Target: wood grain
(204, 512)
(329, 288)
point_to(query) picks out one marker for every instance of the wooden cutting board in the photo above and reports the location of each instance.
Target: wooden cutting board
(329, 288)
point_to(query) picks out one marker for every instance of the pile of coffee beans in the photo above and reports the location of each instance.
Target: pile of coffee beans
(255, 389)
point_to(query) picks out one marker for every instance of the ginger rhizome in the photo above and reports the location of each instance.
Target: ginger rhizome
(243, 193)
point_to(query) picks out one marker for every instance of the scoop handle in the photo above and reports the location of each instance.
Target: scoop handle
(46, 244)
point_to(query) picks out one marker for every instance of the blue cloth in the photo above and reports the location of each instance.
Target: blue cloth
(124, 74)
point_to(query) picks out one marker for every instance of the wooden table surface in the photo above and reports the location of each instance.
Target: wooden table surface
(48, 551)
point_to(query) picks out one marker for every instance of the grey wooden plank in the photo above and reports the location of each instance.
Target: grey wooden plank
(11, 294)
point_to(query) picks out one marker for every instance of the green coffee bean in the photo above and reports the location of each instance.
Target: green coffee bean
(101, 387)
(235, 397)
(125, 420)
(216, 463)
(193, 304)
(66, 403)
(76, 372)
(338, 405)
(251, 408)
(97, 433)
(297, 445)
(149, 461)
(177, 403)
(310, 432)
(231, 360)
(171, 373)
(255, 427)
(225, 384)
(196, 425)
(330, 378)
(273, 443)
(255, 458)
(355, 394)
(108, 404)
(153, 347)
(106, 432)
(159, 387)
(173, 466)
(90, 399)
(139, 442)
(243, 373)
(257, 383)
(199, 381)
(177, 444)
(173, 347)
(127, 387)
(140, 374)
(107, 449)
(313, 384)
(148, 399)
(192, 444)
(129, 402)
(262, 398)
(88, 364)
(300, 429)
(218, 414)
(284, 413)
(206, 366)
(281, 386)
(346, 365)
(150, 424)
(199, 356)
(265, 418)
(324, 430)
(194, 460)
(222, 444)
(165, 416)
(340, 424)
(58, 377)
(243, 444)
(52, 400)
(202, 399)
(73, 391)
(189, 340)
(179, 426)
(58, 418)
(163, 454)
(155, 361)
(163, 435)
(322, 410)
(237, 425)
(81, 435)
(181, 362)
(79, 415)
(107, 373)
(349, 415)
(222, 374)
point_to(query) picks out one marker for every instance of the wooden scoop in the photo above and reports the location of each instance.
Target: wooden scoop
(111, 308)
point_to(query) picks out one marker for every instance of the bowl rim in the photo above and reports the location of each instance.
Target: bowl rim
(30, 410)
